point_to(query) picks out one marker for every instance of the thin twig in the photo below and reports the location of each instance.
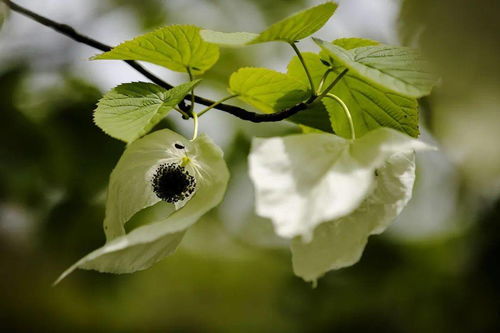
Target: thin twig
(191, 107)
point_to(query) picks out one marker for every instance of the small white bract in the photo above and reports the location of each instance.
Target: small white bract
(165, 183)
(329, 194)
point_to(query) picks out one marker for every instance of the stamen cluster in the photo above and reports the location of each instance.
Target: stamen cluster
(173, 183)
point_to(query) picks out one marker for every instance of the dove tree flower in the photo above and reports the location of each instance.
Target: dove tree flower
(340, 242)
(166, 183)
(329, 194)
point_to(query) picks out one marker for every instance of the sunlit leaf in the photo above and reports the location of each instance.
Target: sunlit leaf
(131, 110)
(176, 47)
(289, 30)
(399, 69)
(229, 39)
(371, 106)
(267, 90)
(352, 43)
(298, 26)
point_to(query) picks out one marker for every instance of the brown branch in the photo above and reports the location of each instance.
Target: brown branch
(241, 113)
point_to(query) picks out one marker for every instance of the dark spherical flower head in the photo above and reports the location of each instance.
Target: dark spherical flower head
(172, 183)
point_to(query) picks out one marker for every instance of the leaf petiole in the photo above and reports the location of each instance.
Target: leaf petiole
(184, 114)
(208, 108)
(195, 130)
(333, 84)
(191, 78)
(346, 111)
(323, 79)
(301, 58)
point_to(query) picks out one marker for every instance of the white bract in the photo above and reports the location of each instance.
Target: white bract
(340, 243)
(329, 193)
(165, 183)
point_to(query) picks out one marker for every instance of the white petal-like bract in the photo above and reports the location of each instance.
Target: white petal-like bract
(340, 243)
(328, 194)
(131, 197)
(304, 180)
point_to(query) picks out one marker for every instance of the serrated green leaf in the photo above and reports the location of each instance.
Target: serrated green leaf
(289, 30)
(308, 130)
(176, 47)
(267, 90)
(352, 43)
(271, 91)
(348, 44)
(131, 197)
(376, 107)
(399, 69)
(370, 106)
(298, 26)
(229, 39)
(315, 116)
(131, 110)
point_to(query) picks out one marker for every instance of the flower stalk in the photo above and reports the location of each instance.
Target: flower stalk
(346, 111)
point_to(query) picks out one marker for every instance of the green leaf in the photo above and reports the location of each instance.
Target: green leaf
(352, 43)
(340, 243)
(313, 63)
(374, 107)
(298, 26)
(176, 47)
(314, 116)
(267, 90)
(229, 39)
(371, 106)
(308, 130)
(348, 44)
(289, 30)
(131, 110)
(271, 91)
(399, 69)
(131, 198)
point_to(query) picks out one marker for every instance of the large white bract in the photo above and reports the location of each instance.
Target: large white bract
(340, 243)
(132, 198)
(329, 194)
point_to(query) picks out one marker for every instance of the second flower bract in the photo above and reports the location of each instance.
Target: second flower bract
(314, 186)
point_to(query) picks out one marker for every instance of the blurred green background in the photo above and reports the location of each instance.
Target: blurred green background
(435, 270)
